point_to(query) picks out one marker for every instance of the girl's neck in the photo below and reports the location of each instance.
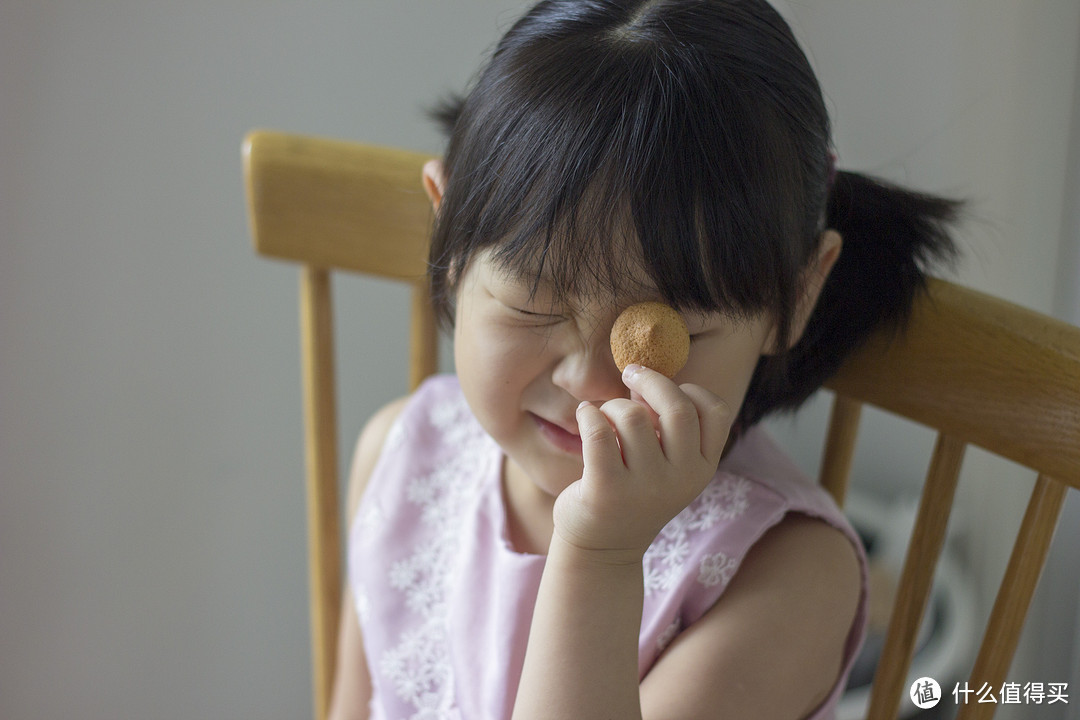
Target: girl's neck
(528, 511)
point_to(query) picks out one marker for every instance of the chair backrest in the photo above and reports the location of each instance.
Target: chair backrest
(984, 372)
(331, 205)
(979, 370)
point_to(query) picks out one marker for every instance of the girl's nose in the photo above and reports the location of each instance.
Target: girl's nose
(588, 371)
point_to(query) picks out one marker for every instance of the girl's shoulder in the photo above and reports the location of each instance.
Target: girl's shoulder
(758, 458)
(430, 409)
(756, 491)
(791, 618)
(368, 448)
(772, 591)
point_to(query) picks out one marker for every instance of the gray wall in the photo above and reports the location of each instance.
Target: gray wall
(151, 508)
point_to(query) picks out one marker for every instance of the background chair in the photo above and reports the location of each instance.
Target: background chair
(979, 370)
(331, 205)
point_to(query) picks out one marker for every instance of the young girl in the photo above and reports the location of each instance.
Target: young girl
(544, 537)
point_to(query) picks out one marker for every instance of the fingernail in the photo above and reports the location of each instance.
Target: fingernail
(630, 371)
(583, 403)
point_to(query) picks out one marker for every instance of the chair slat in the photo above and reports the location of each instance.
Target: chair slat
(981, 369)
(337, 204)
(916, 580)
(1014, 595)
(320, 423)
(423, 337)
(840, 446)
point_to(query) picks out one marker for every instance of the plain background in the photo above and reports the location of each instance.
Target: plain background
(152, 547)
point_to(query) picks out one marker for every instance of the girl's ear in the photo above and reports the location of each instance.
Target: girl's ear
(434, 177)
(814, 277)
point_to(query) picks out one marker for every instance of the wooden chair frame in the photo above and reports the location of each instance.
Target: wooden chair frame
(979, 370)
(332, 205)
(985, 372)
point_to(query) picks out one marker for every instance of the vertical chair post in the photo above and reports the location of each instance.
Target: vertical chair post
(320, 428)
(917, 577)
(423, 336)
(1014, 594)
(840, 446)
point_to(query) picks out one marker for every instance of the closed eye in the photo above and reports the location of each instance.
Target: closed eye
(538, 318)
(705, 334)
(530, 313)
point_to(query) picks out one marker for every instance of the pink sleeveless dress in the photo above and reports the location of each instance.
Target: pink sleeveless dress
(445, 603)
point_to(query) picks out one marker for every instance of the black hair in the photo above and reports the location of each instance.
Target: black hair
(695, 131)
(892, 236)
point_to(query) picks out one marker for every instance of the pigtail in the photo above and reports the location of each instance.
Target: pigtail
(445, 113)
(892, 237)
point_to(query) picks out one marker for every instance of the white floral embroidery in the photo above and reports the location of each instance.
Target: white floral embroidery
(722, 501)
(395, 436)
(453, 421)
(363, 606)
(419, 577)
(660, 579)
(421, 673)
(717, 569)
(668, 634)
(370, 520)
(418, 666)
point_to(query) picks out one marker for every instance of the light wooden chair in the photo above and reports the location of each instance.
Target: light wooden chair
(984, 372)
(979, 370)
(331, 205)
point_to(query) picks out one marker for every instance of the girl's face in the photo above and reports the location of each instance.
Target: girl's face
(526, 362)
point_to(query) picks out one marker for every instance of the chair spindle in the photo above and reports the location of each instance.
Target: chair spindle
(840, 446)
(916, 580)
(324, 533)
(1014, 595)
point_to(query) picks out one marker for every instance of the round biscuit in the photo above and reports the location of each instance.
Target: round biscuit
(651, 334)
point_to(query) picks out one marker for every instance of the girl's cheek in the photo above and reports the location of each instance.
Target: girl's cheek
(523, 347)
(508, 345)
(720, 366)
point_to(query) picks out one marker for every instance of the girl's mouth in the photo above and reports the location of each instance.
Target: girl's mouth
(563, 440)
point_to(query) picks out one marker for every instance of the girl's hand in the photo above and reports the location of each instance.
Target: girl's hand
(646, 458)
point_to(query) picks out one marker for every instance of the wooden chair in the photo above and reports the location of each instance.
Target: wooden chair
(331, 205)
(979, 370)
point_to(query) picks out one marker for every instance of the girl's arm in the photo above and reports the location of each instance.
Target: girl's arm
(581, 660)
(770, 648)
(352, 682)
(773, 645)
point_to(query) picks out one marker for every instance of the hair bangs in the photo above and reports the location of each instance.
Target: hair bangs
(586, 180)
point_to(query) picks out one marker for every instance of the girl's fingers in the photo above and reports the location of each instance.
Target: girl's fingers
(680, 430)
(636, 397)
(715, 418)
(599, 446)
(690, 418)
(634, 426)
